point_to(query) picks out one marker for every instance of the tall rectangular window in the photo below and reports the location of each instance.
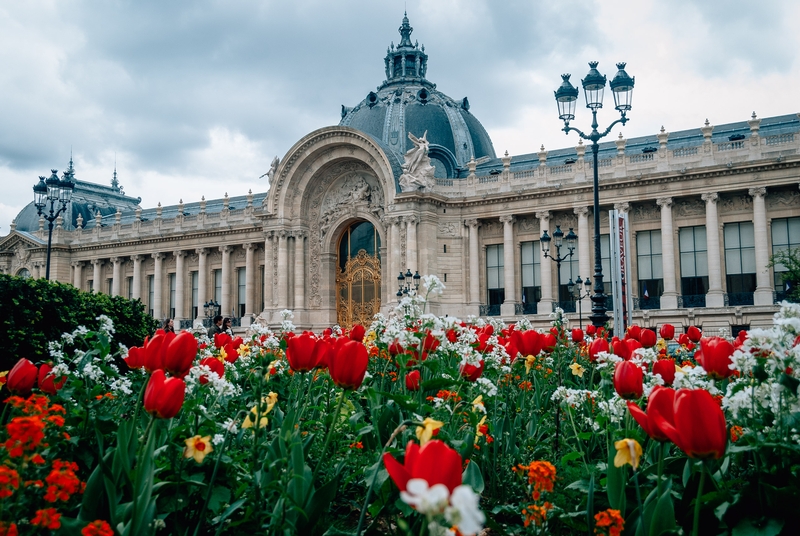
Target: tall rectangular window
(150, 293)
(195, 285)
(531, 271)
(649, 265)
(172, 282)
(109, 286)
(495, 282)
(90, 284)
(694, 265)
(740, 262)
(785, 236)
(241, 290)
(129, 285)
(218, 286)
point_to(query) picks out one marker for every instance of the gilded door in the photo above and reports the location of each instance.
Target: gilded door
(358, 290)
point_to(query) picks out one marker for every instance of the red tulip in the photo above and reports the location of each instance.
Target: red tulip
(451, 335)
(135, 357)
(549, 342)
(667, 332)
(471, 373)
(698, 428)
(216, 366)
(666, 368)
(661, 398)
(21, 379)
(47, 381)
(622, 349)
(435, 462)
(483, 339)
(429, 344)
(322, 352)
(634, 332)
(715, 357)
(412, 380)
(357, 333)
(528, 342)
(693, 333)
(648, 338)
(163, 396)
(236, 342)
(591, 330)
(511, 349)
(348, 363)
(156, 349)
(221, 339)
(597, 346)
(180, 354)
(577, 334)
(231, 355)
(683, 339)
(300, 352)
(628, 380)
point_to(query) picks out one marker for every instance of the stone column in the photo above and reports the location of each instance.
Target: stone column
(268, 270)
(509, 264)
(98, 263)
(180, 286)
(763, 293)
(584, 253)
(546, 303)
(158, 285)
(299, 270)
(394, 257)
(411, 242)
(714, 297)
(283, 271)
(474, 264)
(225, 306)
(669, 298)
(202, 279)
(116, 282)
(250, 279)
(136, 291)
(77, 274)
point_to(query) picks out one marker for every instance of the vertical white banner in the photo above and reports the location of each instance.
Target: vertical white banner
(620, 268)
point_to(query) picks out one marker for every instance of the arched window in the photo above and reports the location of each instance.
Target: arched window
(358, 278)
(24, 273)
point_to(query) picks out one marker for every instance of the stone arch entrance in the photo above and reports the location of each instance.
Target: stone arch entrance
(358, 275)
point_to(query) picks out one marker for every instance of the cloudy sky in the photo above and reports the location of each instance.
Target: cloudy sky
(196, 98)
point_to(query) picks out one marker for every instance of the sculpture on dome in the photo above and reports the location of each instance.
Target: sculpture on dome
(417, 169)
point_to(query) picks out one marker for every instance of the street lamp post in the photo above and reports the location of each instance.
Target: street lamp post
(405, 282)
(558, 240)
(576, 291)
(211, 309)
(566, 97)
(57, 193)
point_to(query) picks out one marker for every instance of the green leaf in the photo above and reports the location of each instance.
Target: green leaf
(318, 503)
(219, 496)
(615, 484)
(570, 456)
(472, 477)
(663, 517)
(768, 527)
(437, 383)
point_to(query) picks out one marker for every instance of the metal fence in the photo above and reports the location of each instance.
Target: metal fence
(647, 303)
(692, 300)
(490, 310)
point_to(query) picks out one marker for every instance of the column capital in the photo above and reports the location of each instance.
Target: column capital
(137, 258)
(757, 192)
(250, 246)
(116, 260)
(202, 252)
(623, 206)
(179, 253)
(299, 233)
(97, 261)
(77, 264)
(411, 218)
(283, 233)
(158, 256)
(226, 249)
(581, 211)
(544, 215)
(392, 220)
(269, 235)
(710, 197)
(508, 218)
(664, 202)
(472, 223)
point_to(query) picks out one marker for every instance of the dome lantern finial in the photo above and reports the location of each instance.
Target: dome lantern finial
(405, 33)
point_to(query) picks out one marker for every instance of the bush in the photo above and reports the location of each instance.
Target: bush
(36, 311)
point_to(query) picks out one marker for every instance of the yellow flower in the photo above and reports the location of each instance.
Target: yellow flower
(425, 432)
(478, 432)
(3, 375)
(577, 370)
(222, 354)
(530, 361)
(197, 447)
(628, 451)
(477, 404)
(249, 421)
(243, 350)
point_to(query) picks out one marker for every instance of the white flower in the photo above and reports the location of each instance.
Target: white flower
(106, 325)
(465, 511)
(230, 426)
(425, 500)
(218, 439)
(488, 388)
(433, 285)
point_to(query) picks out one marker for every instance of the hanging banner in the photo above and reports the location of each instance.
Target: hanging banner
(620, 268)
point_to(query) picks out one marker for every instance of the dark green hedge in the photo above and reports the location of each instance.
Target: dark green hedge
(34, 312)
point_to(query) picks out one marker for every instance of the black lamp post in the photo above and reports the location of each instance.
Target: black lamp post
(211, 309)
(405, 281)
(57, 193)
(577, 292)
(558, 240)
(566, 97)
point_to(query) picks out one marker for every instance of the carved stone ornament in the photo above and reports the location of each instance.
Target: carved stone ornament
(492, 228)
(528, 225)
(449, 228)
(418, 173)
(783, 199)
(645, 211)
(689, 207)
(735, 203)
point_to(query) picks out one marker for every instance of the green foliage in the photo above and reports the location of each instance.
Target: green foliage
(790, 259)
(36, 311)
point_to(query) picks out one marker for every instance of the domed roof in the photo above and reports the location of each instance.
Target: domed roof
(408, 102)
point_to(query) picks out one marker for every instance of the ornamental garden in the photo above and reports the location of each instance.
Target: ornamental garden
(415, 424)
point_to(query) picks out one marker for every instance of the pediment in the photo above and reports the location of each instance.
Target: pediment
(16, 240)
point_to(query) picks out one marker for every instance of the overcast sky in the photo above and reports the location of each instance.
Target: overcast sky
(196, 98)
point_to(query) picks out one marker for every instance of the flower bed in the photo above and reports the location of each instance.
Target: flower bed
(415, 425)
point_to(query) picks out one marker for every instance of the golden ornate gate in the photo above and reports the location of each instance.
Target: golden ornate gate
(358, 290)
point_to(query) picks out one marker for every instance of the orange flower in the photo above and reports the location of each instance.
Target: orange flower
(48, 518)
(97, 528)
(608, 523)
(62, 482)
(736, 433)
(24, 434)
(198, 447)
(541, 475)
(357, 445)
(9, 481)
(526, 386)
(535, 514)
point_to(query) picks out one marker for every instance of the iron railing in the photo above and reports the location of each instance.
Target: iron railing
(738, 298)
(526, 308)
(566, 306)
(647, 303)
(490, 310)
(692, 300)
(185, 324)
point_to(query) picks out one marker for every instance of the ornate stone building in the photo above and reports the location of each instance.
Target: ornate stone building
(409, 179)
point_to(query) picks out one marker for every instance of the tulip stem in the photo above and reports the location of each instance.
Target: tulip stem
(639, 500)
(662, 447)
(330, 434)
(696, 523)
(397, 431)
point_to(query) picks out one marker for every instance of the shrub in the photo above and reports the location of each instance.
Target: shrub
(36, 311)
